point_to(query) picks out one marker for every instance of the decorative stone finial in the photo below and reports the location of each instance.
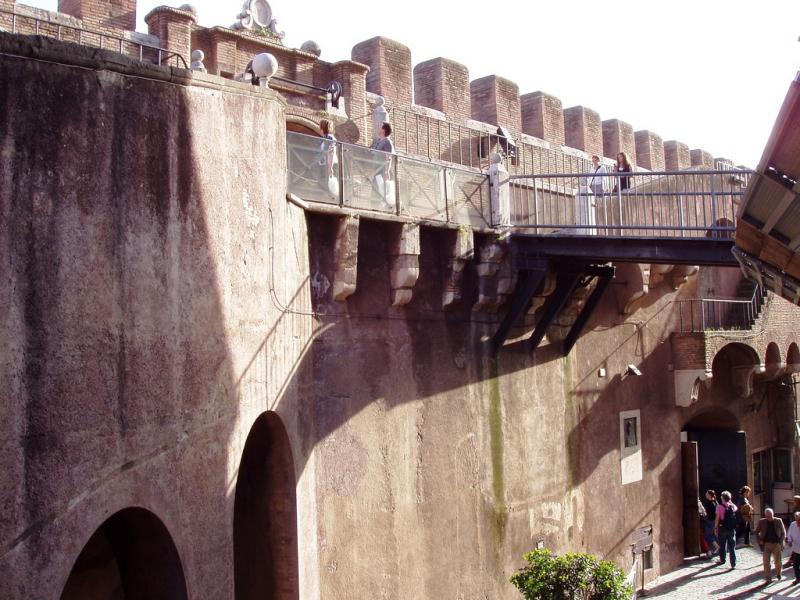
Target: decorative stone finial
(256, 16)
(197, 61)
(311, 47)
(264, 66)
(190, 8)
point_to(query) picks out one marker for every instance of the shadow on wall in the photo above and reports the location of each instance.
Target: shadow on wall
(122, 383)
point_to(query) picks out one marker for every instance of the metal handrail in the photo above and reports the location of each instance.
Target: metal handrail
(416, 188)
(718, 313)
(652, 203)
(163, 55)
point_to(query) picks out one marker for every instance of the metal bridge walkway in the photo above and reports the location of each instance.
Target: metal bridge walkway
(575, 225)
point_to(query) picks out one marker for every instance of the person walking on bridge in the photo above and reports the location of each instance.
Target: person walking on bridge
(725, 528)
(771, 536)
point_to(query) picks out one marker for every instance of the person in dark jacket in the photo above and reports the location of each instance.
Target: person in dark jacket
(710, 504)
(771, 535)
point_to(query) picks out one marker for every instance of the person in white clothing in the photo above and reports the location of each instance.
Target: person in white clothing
(793, 538)
(597, 183)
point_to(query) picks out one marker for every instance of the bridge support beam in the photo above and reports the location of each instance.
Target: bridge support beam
(529, 282)
(565, 284)
(588, 309)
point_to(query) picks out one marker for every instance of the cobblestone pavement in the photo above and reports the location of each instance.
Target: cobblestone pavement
(702, 578)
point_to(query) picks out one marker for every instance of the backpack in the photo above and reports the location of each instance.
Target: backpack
(729, 522)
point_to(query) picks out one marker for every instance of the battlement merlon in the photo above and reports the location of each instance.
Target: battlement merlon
(382, 66)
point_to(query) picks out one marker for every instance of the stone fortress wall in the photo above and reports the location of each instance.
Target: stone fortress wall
(438, 88)
(165, 307)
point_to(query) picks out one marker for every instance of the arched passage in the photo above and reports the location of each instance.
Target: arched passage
(734, 368)
(131, 556)
(714, 457)
(265, 516)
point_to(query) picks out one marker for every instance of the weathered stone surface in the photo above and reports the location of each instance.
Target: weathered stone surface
(345, 257)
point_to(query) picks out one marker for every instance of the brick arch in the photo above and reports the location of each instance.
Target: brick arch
(793, 358)
(131, 555)
(712, 418)
(735, 366)
(265, 515)
(300, 124)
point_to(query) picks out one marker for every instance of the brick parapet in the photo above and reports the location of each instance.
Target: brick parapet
(649, 150)
(443, 85)
(543, 117)
(701, 158)
(390, 73)
(618, 137)
(583, 129)
(676, 156)
(102, 14)
(495, 100)
(173, 27)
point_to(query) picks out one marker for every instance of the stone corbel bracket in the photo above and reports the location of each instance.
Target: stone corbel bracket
(688, 383)
(345, 258)
(404, 263)
(637, 284)
(462, 251)
(490, 279)
(743, 376)
(681, 274)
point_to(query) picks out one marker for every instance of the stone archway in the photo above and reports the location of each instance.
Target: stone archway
(131, 556)
(735, 367)
(302, 125)
(265, 515)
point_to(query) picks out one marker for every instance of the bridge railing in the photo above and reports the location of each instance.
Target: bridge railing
(352, 176)
(701, 203)
(31, 25)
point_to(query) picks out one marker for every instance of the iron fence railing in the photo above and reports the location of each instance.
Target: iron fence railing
(637, 204)
(353, 176)
(709, 314)
(32, 25)
(437, 139)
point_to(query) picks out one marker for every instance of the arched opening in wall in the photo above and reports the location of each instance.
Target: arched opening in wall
(301, 125)
(265, 516)
(714, 456)
(131, 556)
(793, 359)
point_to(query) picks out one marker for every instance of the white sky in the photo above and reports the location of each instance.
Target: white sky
(709, 73)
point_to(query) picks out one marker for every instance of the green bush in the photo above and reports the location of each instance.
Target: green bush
(570, 577)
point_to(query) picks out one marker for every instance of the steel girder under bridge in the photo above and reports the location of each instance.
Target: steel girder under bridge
(577, 226)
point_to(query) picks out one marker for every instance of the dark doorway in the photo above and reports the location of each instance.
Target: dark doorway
(265, 516)
(714, 458)
(130, 557)
(722, 460)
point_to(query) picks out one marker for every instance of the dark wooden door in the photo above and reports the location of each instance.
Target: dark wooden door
(691, 493)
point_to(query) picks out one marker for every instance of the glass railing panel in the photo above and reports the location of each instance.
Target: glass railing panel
(369, 179)
(468, 195)
(422, 190)
(308, 176)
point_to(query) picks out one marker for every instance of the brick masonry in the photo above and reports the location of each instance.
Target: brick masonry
(543, 117)
(495, 100)
(443, 85)
(649, 150)
(701, 158)
(390, 72)
(102, 14)
(676, 156)
(583, 129)
(618, 137)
